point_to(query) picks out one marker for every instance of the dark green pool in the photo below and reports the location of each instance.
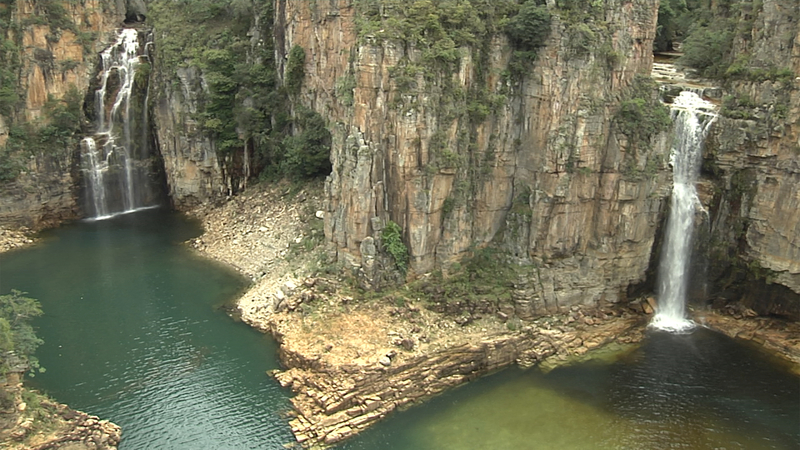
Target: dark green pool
(134, 333)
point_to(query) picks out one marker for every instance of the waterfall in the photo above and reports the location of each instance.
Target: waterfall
(692, 117)
(115, 160)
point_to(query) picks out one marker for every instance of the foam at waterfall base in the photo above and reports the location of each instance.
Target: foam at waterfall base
(676, 325)
(121, 213)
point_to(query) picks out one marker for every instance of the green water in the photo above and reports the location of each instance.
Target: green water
(698, 391)
(134, 333)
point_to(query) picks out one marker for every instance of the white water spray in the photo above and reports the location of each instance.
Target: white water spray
(692, 117)
(109, 157)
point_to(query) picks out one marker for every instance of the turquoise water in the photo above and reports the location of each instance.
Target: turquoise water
(134, 332)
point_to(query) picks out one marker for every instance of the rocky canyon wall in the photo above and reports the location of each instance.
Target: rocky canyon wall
(54, 52)
(191, 164)
(752, 167)
(455, 138)
(542, 172)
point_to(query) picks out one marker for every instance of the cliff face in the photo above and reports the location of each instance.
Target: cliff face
(57, 53)
(534, 159)
(753, 170)
(545, 174)
(191, 164)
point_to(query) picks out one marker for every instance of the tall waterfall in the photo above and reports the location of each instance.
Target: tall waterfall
(116, 159)
(692, 117)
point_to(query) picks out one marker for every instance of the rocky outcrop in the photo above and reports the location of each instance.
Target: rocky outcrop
(45, 425)
(191, 164)
(752, 169)
(544, 175)
(11, 239)
(350, 365)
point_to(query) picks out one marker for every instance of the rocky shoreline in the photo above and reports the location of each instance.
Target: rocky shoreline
(46, 425)
(776, 336)
(13, 239)
(351, 373)
(351, 358)
(41, 424)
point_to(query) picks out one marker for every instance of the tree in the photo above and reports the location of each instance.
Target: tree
(308, 152)
(18, 340)
(295, 70)
(529, 29)
(671, 24)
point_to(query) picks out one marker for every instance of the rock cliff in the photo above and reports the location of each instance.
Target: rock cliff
(543, 171)
(56, 53)
(460, 142)
(752, 168)
(191, 163)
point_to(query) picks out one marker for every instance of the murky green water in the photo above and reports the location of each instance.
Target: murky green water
(698, 391)
(134, 333)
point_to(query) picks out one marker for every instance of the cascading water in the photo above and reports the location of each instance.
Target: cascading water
(116, 159)
(692, 117)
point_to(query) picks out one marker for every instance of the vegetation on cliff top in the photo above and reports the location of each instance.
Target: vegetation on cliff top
(55, 132)
(439, 30)
(714, 37)
(245, 109)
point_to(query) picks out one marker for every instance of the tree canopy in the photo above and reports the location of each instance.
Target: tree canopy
(18, 340)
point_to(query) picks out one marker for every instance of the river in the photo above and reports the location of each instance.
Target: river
(135, 332)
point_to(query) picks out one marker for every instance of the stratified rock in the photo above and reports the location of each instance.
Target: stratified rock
(554, 186)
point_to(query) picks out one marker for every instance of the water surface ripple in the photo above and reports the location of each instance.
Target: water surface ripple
(134, 333)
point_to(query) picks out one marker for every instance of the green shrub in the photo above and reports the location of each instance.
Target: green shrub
(295, 70)
(344, 89)
(392, 239)
(707, 49)
(9, 166)
(641, 116)
(674, 20)
(307, 154)
(18, 340)
(55, 133)
(529, 29)
(8, 95)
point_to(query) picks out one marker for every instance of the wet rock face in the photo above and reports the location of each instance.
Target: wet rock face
(544, 174)
(53, 61)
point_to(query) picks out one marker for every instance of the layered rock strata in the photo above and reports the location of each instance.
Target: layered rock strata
(545, 175)
(53, 60)
(350, 364)
(64, 428)
(752, 170)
